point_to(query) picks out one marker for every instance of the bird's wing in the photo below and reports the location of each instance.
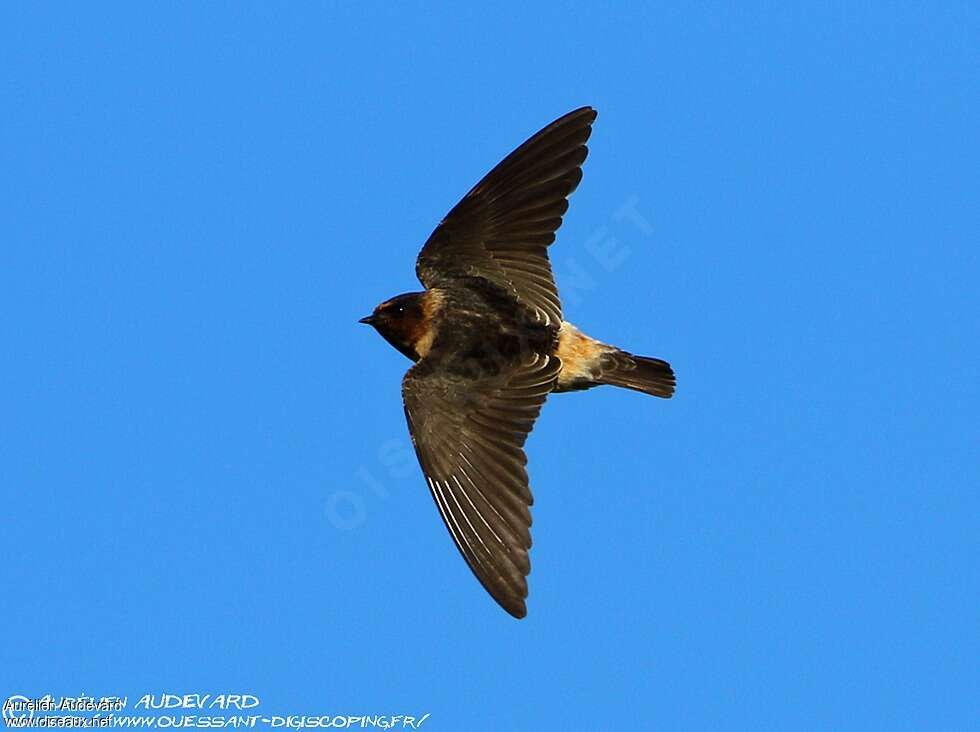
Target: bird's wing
(502, 228)
(469, 435)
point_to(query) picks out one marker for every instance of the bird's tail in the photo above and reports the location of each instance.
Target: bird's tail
(649, 375)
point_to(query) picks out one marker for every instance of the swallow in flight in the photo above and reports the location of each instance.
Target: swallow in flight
(489, 344)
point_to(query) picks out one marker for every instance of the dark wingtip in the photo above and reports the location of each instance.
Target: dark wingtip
(585, 114)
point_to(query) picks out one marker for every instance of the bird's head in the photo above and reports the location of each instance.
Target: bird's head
(404, 321)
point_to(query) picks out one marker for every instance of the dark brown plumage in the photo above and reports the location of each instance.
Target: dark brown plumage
(490, 344)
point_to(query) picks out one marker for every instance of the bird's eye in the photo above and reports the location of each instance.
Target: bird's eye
(400, 309)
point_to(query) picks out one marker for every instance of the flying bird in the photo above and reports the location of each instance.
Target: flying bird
(489, 344)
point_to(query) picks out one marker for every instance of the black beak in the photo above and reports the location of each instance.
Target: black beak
(368, 320)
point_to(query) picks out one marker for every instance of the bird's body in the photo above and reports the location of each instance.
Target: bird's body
(490, 344)
(483, 333)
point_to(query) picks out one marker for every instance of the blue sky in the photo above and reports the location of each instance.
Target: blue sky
(204, 458)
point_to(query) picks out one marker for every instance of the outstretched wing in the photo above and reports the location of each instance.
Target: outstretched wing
(469, 435)
(501, 229)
